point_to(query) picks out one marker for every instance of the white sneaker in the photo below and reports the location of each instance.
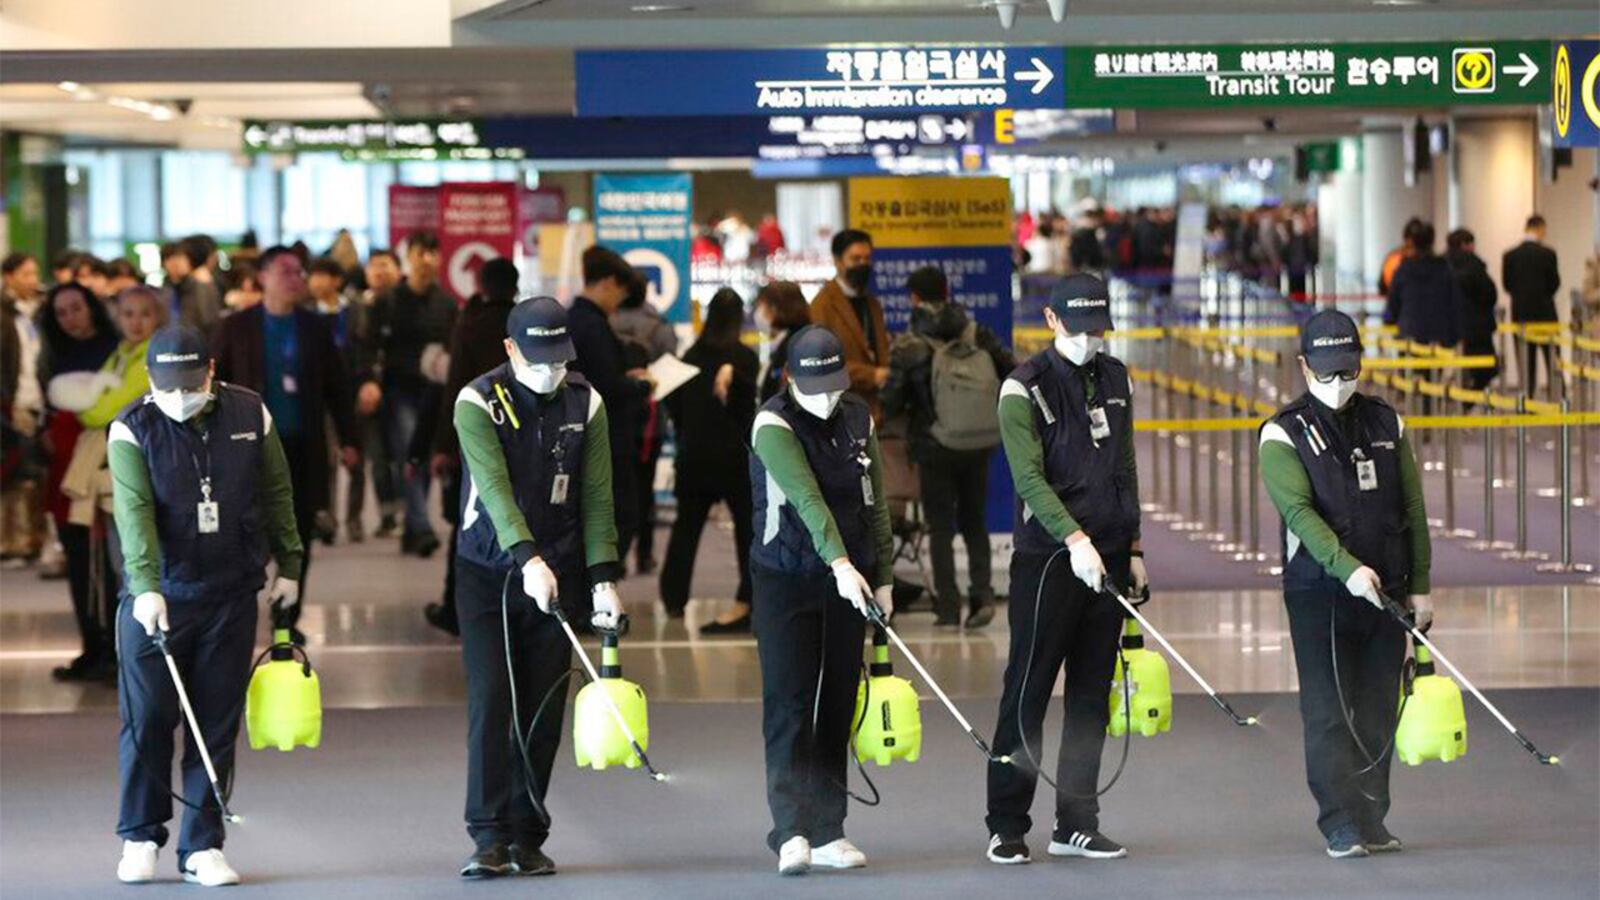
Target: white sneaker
(840, 854)
(794, 857)
(208, 868)
(138, 863)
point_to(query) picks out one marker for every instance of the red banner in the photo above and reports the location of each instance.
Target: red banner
(477, 223)
(411, 209)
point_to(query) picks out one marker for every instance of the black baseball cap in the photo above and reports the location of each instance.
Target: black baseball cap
(178, 358)
(1331, 342)
(539, 329)
(816, 361)
(1082, 303)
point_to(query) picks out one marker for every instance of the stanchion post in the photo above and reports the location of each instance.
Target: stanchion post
(1565, 465)
(1521, 550)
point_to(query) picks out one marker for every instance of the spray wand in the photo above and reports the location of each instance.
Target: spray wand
(588, 665)
(875, 616)
(228, 815)
(1403, 615)
(1206, 686)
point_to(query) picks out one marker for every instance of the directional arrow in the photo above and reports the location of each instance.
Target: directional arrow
(1528, 69)
(1042, 76)
(957, 129)
(255, 135)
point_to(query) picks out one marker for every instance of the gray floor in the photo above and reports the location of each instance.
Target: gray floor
(1209, 810)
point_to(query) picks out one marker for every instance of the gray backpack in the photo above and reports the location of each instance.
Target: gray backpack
(966, 394)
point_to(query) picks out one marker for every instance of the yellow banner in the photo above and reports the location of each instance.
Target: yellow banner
(932, 212)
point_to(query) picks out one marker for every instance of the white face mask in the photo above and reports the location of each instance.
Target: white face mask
(763, 320)
(181, 405)
(1078, 348)
(819, 405)
(1334, 394)
(541, 378)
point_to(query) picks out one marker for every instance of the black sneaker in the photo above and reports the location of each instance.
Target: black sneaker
(387, 526)
(326, 528)
(980, 616)
(1345, 843)
(531, 861)
(1379, 840)
(443, 618)
(426, 544)
(1087, 844)
(1007, 850)
(490, 862)
(947, 621)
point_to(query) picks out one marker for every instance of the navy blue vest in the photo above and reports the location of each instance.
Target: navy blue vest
(226, 444)
(836, 449)
(1087, 475)
(1372, 524)
(542, 438)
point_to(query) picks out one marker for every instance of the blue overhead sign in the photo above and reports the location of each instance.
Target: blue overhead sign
(818, 81)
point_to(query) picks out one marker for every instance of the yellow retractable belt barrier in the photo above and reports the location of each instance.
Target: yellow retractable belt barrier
(1587, 373)
(1541, 420)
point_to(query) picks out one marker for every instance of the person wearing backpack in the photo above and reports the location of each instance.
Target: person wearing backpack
(945, 375)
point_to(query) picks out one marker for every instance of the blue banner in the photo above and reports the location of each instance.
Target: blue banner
(646, 218)
(1575, 93)
(812, 81)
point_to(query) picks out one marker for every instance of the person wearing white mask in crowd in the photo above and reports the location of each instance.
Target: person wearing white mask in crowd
(1339, 468)
(203, 499)
(821, 559)
(537, 529)
(1066, 420)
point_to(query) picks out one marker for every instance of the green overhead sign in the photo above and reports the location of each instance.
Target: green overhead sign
(442, 138)
(1434, 73)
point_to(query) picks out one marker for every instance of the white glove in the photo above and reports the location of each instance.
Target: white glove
(1137, 575)
(285, 594)
(150, 611)
(539, 583)
(607, 607)
(884, 597)
(1422, 606)
(851, 585)
(1086, 562)
(1363, 583)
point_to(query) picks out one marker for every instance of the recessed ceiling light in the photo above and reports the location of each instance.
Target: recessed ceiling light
(1404, 2)
(661, 8)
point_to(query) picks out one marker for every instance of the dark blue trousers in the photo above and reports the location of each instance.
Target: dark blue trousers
(212, 642)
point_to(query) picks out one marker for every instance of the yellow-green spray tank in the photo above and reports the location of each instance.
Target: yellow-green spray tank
(1149, 688)
(283, 707)
(889, 719)
(1433, 720)
(596, 739)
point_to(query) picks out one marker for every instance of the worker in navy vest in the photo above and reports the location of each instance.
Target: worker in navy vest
(202, 499)
(537, 529)
(1066, 420)
(821, 556)
(1339, 468)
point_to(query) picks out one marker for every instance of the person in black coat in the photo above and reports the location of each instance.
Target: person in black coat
(285, 352)
(1478, 297)
(1531, 276)
(780, 310)
(1424, 299)
(607, 278)
(713, 413)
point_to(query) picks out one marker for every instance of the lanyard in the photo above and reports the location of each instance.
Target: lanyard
(203, 471)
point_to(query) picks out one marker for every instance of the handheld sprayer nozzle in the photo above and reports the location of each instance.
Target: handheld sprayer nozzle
(1551, 760)
(1252, 720)
(1004, 760)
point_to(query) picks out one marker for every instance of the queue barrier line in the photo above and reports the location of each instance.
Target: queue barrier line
(1538, 420)
(1460, 395)
(1587, 373)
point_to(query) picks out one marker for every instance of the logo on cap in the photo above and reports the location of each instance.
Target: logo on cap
(1332, 341)
(820, 361)
(1085, 301)
(177, 357)
(540, 331)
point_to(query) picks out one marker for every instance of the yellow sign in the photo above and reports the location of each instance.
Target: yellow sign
(1561, 81)
(1474, 70)
(932, 212)
(1005, 126)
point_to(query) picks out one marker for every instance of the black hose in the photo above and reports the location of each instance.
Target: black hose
(816, 709)
(522, 740)
(1027, 672)
(1344, 708)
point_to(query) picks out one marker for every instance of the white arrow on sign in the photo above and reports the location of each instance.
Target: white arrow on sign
(255, 135)
(1041, 75)
(1528, 69)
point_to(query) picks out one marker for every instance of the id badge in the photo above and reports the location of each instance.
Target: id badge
(290, 385)
(1099, 428)
(1367, 474)
(558, 489)
(866, 489)
(210, 518)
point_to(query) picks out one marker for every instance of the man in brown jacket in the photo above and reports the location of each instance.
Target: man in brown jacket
(847, 307)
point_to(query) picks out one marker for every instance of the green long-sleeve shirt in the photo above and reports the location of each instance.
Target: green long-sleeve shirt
(134, 504)
(1289, 486)
(1025, 456)
(486, 462)
(785, 460)
(128, 362)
